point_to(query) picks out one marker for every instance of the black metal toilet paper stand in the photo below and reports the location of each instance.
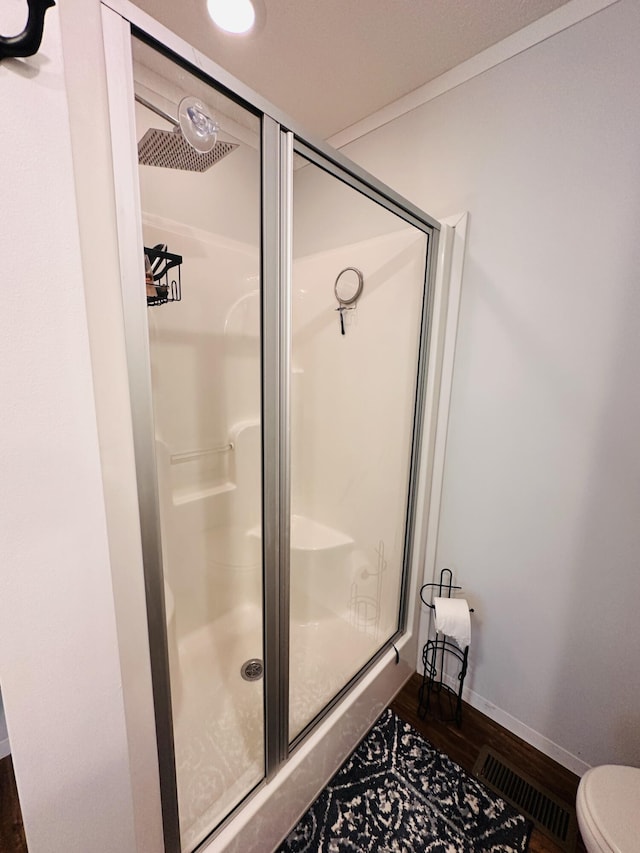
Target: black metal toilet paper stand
(434, 653)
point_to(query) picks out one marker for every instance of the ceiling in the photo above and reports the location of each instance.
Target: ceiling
(330, 63)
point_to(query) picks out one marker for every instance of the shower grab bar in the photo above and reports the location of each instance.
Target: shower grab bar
(177, 458)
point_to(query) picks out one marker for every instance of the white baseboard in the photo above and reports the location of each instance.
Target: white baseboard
(5, 749)
(517, 727)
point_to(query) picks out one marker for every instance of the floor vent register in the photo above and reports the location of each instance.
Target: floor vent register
(555, 819)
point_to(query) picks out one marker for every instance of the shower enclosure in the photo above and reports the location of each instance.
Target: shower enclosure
(277, 305)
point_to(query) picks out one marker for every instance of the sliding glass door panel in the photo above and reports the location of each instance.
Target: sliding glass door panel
(201, 230)
(357, 308)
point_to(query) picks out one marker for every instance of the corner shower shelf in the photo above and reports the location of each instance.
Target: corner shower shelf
(167, 288)
(187, 496)
(310, 535)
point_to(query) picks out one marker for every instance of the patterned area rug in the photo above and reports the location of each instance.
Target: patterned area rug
(397, 793)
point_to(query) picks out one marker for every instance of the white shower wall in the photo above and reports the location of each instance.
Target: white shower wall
(205, 370)
(205, 363)
(352, 398)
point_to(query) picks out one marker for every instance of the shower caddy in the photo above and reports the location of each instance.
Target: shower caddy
(433, 658)
(160, 288)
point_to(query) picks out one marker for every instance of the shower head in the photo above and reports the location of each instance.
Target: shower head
(169, 149)
(192, 144)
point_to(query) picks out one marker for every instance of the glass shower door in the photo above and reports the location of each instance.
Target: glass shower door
(358, 283)
(202, 207)
(276, 451)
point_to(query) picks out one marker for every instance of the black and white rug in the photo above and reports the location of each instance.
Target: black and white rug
(397, 793)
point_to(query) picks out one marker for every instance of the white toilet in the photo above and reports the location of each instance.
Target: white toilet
(608, 809)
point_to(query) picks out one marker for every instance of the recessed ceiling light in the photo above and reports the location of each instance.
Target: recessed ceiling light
(232, 16)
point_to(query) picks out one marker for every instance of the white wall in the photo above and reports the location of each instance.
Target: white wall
(542, 479)
(59, 666)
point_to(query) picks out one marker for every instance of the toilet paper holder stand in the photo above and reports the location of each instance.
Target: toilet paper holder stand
(435, 653)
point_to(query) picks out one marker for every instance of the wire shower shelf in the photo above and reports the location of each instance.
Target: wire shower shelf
(164, 287)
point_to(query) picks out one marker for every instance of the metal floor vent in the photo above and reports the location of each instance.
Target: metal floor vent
(169, 148)
(555, 819)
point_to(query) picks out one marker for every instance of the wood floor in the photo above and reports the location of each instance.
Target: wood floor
(11, 832)
(462, 745)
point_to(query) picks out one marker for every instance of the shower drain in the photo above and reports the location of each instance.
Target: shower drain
(251, 670)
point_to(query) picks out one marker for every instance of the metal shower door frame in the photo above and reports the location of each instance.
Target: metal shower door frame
(353, 176)
(281, 137)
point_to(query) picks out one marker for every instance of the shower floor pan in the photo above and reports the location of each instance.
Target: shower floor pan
(218, 715)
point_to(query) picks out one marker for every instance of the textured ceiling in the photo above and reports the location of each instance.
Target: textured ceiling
(330, 63)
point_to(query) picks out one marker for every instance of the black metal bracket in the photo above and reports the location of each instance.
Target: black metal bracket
(28, 41)
(433, 685)
(165, 288)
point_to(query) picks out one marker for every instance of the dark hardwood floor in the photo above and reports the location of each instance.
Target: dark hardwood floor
(463, 746)
(11, 832)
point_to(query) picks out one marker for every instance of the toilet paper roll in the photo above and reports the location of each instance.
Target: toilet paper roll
(453, 619)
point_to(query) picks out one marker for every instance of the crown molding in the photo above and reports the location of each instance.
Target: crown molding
(544, 28)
